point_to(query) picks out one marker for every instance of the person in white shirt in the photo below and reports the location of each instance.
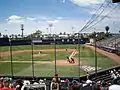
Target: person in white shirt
(114, 87)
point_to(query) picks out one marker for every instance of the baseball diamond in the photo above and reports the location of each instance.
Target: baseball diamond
(43, 56)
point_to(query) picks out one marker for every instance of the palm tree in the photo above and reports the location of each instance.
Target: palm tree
(107, 29)
(60, 33)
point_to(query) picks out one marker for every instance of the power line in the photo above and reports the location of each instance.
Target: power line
(92, 16)
(103, 17)
(97, 17)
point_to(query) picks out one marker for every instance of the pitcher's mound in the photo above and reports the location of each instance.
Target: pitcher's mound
(39, 55)
(65, 63)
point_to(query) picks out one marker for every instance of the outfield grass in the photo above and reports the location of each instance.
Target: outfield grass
(25, 69)
(36, 47)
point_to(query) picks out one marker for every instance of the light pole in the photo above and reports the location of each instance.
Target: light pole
(22, 29)
(50, 27)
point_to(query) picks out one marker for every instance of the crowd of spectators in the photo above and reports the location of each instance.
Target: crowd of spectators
(57, 84)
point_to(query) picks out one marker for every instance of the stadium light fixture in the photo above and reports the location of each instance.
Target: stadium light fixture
(115, 1)
(22, 29)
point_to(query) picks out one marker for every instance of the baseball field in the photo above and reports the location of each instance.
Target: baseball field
(43, 56)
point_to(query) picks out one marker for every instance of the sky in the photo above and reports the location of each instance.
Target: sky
(64, 15)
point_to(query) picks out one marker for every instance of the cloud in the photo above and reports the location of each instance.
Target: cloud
(111, 20)
(31, 19)
(15, 19)
(87, 2)
(19, 19)
(63, 1)
(59, 18)
(59, 25)
(53, 21)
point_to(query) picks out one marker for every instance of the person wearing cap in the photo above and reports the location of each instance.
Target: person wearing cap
(6, 84)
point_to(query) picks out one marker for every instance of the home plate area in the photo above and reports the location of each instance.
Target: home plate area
(89, 68)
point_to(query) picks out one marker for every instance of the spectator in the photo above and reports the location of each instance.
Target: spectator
(87, 75)
(1, 82)
(6, 83)
(104, 86)
(56, 79)
(55, 82)
(113, 76)
(19, 84)
(75, 85)
(114, 87)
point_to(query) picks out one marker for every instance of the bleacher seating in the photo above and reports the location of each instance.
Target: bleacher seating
(110, 44)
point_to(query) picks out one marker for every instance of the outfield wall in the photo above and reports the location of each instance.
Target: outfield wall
(6, 41)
